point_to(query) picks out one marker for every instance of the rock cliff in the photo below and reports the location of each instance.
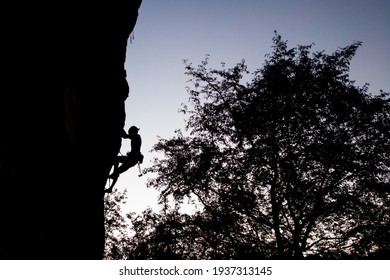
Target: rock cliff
(61, 117)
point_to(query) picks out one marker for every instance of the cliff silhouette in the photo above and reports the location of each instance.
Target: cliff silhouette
(61, 118)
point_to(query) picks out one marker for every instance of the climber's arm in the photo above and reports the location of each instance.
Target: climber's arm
(124, 134)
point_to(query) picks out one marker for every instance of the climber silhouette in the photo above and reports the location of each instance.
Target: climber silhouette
(130, 159)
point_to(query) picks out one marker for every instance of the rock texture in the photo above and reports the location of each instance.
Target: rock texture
(61, 117)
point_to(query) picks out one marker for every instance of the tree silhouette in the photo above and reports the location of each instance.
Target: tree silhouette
(292, 164)
(117, 229)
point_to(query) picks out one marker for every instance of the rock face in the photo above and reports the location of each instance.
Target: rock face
(61, 117)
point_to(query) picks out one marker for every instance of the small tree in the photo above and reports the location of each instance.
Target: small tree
(293, 163)
(117, 229)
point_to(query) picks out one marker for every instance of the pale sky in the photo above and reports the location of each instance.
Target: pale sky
(169, 31)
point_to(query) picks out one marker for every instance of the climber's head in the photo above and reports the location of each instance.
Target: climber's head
(133, 130)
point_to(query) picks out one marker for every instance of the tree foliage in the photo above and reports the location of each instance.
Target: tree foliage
(292, 164)
(117, 228)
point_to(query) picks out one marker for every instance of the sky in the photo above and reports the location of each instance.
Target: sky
(231, 30)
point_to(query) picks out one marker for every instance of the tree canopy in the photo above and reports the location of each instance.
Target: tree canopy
(293, 163)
